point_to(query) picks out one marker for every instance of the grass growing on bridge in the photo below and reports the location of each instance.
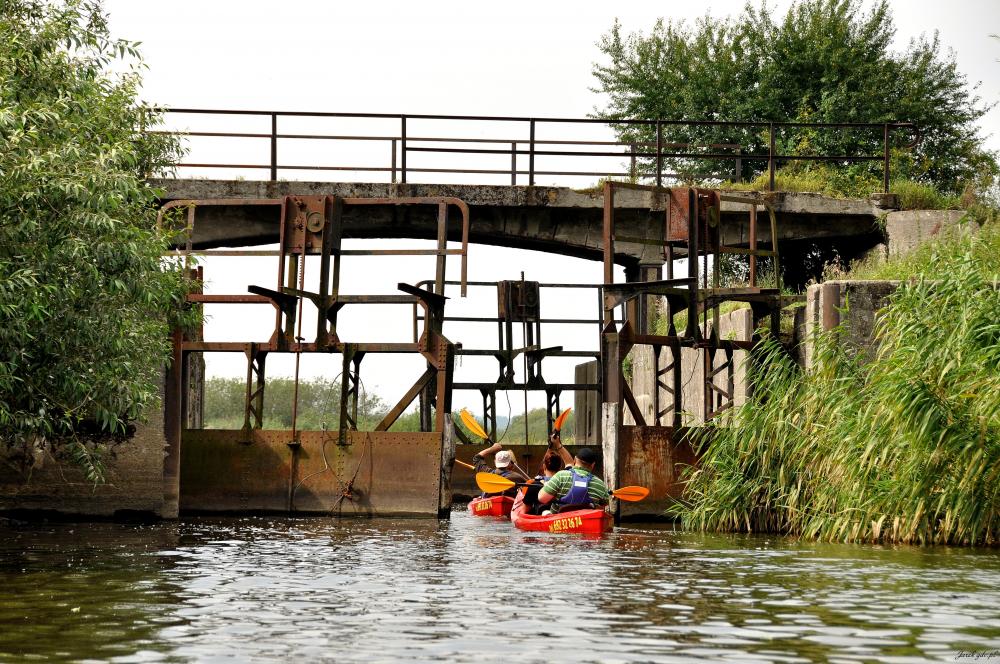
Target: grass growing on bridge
(905, 448)
(851, 183)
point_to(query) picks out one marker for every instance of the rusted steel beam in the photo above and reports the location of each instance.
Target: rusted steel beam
(253, 411)
(349, 391)
(661, 149)
(405, 402)
(173, 417)
(432, 139)
(229, 299)
(270, 347)
(617, 294)
(690, 342)
(633, 407)
(444, 386)
(521, 386)
(350, 201)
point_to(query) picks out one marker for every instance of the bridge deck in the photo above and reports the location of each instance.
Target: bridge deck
(553, 219)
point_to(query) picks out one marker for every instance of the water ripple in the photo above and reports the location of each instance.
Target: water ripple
(474, 590)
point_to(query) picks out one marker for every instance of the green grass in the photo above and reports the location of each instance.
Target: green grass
(905, 448)
(837, 182)
(921, 196)
(845, 183)
(815, 181)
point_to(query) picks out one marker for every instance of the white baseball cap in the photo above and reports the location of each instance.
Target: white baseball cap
(503, 458)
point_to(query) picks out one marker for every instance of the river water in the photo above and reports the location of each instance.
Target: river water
(476, 590)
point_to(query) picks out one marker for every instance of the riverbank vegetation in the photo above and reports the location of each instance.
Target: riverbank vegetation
(904, 447)
(86, 301)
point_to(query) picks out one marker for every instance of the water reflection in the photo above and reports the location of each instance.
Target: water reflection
(474, 590)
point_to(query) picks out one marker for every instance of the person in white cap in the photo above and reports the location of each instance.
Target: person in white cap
(503, 462)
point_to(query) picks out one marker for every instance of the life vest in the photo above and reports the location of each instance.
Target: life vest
(578, 493)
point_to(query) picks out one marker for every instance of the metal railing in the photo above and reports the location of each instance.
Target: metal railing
(402, 145)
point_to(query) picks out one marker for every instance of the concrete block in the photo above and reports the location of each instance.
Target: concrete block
(134, 480)
(853, 305)
(587, 405)
(908, 229)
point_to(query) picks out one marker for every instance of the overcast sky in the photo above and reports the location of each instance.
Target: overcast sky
(456, 57)
(511, 58)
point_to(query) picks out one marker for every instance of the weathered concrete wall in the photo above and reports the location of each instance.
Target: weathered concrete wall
(853, 305)
(134, 480)
(736, 325)
(909, 229)
(587, 405)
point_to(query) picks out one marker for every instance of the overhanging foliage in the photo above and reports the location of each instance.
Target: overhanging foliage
(85, 297)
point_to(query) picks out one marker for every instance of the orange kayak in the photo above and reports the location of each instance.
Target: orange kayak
(491, 506)
(588, 522)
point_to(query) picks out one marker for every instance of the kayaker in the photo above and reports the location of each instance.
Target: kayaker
(503, 461)
(556, 458)
(556, 446)
(576, 487)
(551, 464)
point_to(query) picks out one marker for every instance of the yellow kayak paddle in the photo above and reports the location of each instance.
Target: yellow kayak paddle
(472, 425)
(492, 483)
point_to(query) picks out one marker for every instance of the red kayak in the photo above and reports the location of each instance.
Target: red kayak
(588, 522)
(491, 506)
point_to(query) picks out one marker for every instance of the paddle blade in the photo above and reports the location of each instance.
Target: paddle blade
(472, 425)
(491, 483)
(559, 420)
(631, 494)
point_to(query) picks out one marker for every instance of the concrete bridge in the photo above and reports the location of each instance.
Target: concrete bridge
(552, 219)
(257, 469)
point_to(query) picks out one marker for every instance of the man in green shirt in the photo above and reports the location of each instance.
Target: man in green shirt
(576, 487)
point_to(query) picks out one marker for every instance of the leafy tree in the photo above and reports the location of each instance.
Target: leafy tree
(825, 61)
(538, 433)
(85, 296)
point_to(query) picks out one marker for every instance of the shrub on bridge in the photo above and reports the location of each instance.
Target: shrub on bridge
(823, 61)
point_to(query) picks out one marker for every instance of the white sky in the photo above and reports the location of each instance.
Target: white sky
(477, 58)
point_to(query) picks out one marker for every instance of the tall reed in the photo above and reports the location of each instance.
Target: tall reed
(903, 448)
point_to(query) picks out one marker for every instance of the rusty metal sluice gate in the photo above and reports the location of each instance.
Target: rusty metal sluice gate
(380, 472)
